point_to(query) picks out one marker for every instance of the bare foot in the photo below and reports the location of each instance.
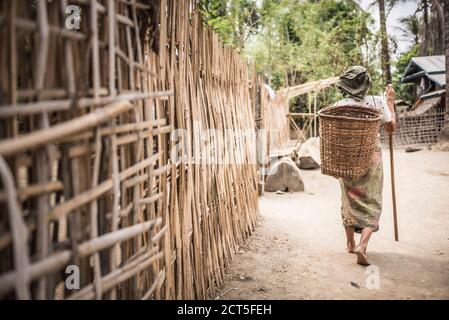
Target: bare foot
(361, 256)
(350, 246)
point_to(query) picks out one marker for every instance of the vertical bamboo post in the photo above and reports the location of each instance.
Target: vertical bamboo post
(309, 104)
(314, 115)
(393, 190)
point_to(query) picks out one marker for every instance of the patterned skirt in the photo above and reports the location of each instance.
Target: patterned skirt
(361, 199)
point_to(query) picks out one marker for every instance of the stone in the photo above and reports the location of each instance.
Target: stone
(307, 163)
(411, 149)
(284, 175)
(309, 154)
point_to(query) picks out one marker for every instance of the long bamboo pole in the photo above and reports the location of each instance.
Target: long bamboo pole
(393, 184)
(393, 189)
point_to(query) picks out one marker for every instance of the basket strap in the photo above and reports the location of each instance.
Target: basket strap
(336, 144)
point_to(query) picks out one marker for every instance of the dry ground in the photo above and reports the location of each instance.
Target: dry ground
(298, 251)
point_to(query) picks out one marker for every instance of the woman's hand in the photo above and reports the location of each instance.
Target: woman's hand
(390, 95)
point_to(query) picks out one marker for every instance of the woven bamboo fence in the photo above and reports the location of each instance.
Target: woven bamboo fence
(89, 174)
(274, 117)
(272, 120)
(276, 120)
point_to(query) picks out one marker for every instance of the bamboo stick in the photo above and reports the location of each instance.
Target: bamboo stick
(40, 137)
(65, 105)
(19, 233)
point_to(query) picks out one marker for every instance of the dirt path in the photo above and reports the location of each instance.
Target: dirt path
(298, 252)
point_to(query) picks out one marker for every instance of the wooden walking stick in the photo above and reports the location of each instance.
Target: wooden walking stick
(393, 189)
(393, 185)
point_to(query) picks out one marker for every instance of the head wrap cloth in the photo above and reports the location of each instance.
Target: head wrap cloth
(355, 82)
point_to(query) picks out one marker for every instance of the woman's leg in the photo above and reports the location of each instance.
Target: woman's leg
(366, 235)
(350, 242)
(360, 251)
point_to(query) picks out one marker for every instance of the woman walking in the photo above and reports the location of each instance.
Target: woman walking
(362, 198)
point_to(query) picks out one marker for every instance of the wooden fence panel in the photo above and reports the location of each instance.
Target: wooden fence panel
(92, 121)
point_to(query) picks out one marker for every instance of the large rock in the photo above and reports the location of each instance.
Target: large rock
(284, 176)
(309, 154)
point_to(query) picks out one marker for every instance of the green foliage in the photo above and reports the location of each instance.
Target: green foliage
(410, 27)
(234, 20)
(404, 90)
(304, 41)
(293, 41)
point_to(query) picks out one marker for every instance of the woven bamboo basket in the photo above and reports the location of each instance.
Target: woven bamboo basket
(348, 139)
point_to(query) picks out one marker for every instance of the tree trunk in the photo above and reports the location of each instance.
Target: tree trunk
(445, 131)
(385, 54)
(426, 23)
(438, 10)
(446, 51)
